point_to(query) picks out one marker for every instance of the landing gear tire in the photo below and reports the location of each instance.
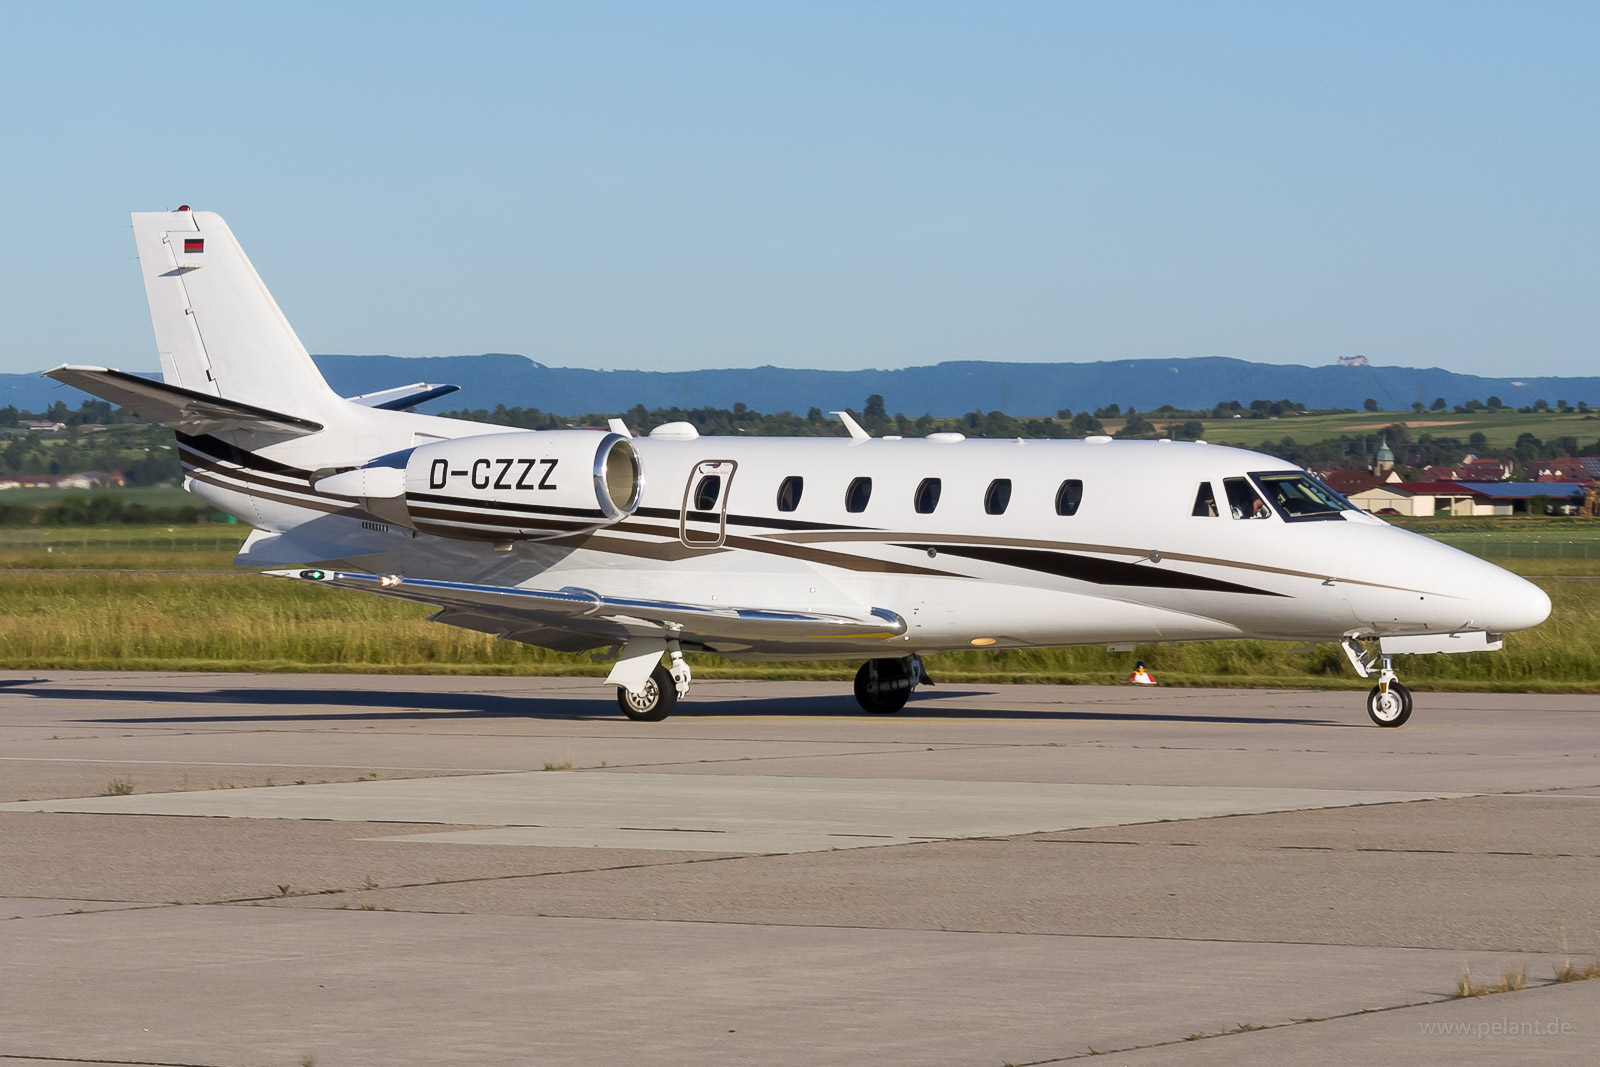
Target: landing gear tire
(1389, 709)
(883, 685)
(658, 700)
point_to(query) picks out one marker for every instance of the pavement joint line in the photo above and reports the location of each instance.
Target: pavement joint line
(1240, 1032)
(209, 729)
(1237, 1032)
(911, 839)
(202, 815)
(508, 878)
(90, 1059)
(441, 772)
(782, 756)
(88, 900)
(964, 932)
(1311, 848)
(131, 905)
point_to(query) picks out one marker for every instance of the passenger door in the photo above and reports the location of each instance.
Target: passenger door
(703, 521)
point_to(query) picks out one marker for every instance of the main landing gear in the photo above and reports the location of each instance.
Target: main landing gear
(658, 696)
(884, 685)
(1389, 702)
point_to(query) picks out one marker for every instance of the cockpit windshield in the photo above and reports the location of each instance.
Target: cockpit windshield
(1300, 497)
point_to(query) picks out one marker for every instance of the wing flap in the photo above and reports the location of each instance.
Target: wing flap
(613, 618)
(182, 409)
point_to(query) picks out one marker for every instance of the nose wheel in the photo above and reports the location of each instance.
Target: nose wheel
(1389, 702)
(1389, 706)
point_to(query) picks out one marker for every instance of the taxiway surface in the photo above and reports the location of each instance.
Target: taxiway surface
(223, 869)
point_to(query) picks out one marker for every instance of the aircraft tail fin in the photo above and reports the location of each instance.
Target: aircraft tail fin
(218, 329)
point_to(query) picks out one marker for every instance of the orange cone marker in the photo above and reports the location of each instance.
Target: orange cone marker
(1140, 676)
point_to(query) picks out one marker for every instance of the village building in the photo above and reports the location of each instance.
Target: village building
(1473, 469)
(1383, 462)
(1349, 482)
(1580, 470)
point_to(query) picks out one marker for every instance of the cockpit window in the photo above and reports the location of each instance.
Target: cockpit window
(1243, 503)
(1301, 497)
(1205, 502)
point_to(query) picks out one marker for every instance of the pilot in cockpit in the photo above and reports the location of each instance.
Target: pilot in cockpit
(1243, 502)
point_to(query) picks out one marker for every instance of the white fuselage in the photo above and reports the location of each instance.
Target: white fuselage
(1132, 563)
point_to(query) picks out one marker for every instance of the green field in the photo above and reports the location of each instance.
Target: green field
(1500, 427)
(206, 546)
(96, 598)
(164, 496)
(243, 621)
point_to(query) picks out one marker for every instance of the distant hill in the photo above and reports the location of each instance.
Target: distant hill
(942, 389)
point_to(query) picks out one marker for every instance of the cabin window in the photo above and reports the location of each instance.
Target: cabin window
(789, 492)
(927, 497)
(998, 498)
(706, 493)
(1243, 503)
(1300, 497)
(856, 497)
(1069, 496)
(1205, 502)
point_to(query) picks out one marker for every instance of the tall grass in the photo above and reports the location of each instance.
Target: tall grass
(243, 621)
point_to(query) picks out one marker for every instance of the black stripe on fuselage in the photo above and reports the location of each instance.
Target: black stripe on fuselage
(505, 505)
(218, 449)
(673, 514)
(1092, 569)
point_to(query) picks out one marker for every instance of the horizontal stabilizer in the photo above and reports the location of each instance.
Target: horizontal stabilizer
(404, 397)
(615, 619)
(182, 409)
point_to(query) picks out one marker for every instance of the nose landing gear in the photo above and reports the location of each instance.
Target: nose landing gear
(1389, 702)
(1389, 705)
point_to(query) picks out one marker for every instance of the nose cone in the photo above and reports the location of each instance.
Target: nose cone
(1509, 603)
(1414, 585)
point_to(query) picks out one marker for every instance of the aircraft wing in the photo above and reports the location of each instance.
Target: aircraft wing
(182, 409)
(572, 619)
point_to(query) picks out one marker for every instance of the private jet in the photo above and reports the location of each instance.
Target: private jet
(884, 550)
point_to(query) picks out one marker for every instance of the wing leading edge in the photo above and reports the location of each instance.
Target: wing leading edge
(595, 619)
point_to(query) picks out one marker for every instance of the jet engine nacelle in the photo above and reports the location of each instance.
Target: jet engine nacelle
(527, 485)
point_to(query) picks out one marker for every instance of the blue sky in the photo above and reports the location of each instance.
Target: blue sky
(675, 185)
